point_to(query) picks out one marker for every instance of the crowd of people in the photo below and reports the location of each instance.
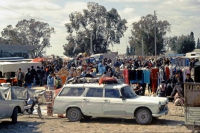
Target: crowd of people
(46, 75)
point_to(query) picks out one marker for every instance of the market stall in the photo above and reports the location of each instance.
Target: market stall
(8, 67)
(13, 66)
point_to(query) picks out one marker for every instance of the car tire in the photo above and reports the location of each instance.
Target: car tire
(143, 116)
(74, 114)
(14, 115)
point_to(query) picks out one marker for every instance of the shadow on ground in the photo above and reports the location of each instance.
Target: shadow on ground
(21, 126)
(132, 121)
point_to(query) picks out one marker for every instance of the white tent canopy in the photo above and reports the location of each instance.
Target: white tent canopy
(14, 66)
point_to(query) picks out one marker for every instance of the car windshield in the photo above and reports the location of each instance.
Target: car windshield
(127, 92)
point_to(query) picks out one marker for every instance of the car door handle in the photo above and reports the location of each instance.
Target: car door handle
(85, 99)
(107, 100)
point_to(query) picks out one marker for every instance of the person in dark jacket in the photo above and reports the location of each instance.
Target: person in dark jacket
(175, 79)
(138, 89)
(38, 76)
(33, 71)
(28, 78)
(178, 88)
(20, 77)
(162, 90)
(188, 78)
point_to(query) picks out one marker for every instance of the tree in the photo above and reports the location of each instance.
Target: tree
(10, 36)
(144, 29)
(172, 43)
(198, 44)
(29, 32)
(106, 28)
(184, 44)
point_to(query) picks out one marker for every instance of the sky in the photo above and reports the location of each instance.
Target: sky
(183, 15)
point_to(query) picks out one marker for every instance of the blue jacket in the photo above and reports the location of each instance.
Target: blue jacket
(50, 81)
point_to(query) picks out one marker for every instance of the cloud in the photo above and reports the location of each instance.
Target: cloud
(183, 5)
(183, 15)
(74, 6)
(133, 0)
(128, 10)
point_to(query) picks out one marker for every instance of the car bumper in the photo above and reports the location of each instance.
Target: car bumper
(164, 112)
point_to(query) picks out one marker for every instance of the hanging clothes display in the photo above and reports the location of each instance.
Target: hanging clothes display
(171, 71)
(140, 76)
(154, 79)
(126, 75)
(132, 76)
(146, 76)
(187, 70)
(187, 62)
(167, 71)
(160, 75)
(183, 74)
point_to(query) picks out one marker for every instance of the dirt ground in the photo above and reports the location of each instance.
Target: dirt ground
(173, 122)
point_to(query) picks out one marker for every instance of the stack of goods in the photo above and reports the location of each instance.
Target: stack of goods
(49, 99)
(62, 72)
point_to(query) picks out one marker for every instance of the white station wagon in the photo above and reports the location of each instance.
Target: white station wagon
(88, 100)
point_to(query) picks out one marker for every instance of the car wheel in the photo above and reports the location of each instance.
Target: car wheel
(14, 115)
(74, 114)
(143, 116)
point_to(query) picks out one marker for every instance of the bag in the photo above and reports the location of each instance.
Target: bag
(178, 101)
(107, 80)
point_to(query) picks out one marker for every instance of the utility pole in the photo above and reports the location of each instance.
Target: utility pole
(155, 33)
(91, 51)
(142, 47)
(9, 36)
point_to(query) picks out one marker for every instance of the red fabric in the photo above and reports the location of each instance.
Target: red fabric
(38, 59)
(125, 75)
(101, 80)
(154, 79)
(167, 73)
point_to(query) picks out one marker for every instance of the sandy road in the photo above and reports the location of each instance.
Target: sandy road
(168, 123)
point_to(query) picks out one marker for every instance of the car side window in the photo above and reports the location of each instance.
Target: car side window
(72, 92)
(112, 93)
(95, 92)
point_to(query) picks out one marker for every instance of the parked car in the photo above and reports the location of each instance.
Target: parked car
(111, 101)
(10, 108)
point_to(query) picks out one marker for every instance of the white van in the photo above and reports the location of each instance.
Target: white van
(99, 57)
(192, 54)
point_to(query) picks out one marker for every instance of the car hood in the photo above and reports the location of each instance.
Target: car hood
(15, 101)
(148, 99)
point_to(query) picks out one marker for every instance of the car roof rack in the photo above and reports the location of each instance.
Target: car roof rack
(87, 80)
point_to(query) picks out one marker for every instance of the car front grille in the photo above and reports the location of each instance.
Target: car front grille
(162, 107)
